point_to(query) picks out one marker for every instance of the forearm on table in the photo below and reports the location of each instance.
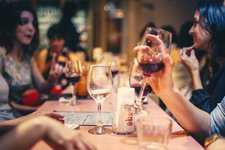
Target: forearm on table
(22, 137)
(7, 125)
(192, 119)
(23, 107)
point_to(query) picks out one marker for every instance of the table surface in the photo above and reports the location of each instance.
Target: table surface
(114, 142)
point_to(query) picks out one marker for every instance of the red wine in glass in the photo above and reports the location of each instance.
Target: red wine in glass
(137, 88)
(114, 73)
(150, 67)
(73, 79)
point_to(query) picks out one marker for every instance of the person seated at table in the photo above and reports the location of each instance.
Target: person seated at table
(56, 36)
(52, 132)
(20, 37)
(208, 32)
(197, 122)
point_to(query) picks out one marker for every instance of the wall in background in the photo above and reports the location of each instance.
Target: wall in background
(162, 12)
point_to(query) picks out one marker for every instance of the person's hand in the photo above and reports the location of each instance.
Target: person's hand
(161, 82)
(155, 41)
(60, 137)
(56, 69)
(189, 59)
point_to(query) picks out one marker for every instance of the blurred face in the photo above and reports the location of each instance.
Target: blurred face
(201, 37)
(25, 29)
(57, 44)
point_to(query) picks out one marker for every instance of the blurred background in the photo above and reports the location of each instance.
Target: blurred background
(112, 25)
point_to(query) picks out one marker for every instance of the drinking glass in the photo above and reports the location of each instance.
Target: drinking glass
(99, 86)
(115, 66)
(150, 53)
(73, 74)
(153, 133)
(136, 81)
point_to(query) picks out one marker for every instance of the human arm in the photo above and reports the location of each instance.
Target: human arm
(42, 84)
(190, 61)
(52, 132)
(41, 62)
(192, 119)
(9, 124)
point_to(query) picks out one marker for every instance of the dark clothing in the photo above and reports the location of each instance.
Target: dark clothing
(207, 101)
(72, 35)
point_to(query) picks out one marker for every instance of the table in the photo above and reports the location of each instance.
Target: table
(115, 142)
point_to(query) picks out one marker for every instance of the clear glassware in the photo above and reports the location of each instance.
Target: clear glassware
(149, 55)
(99, 86)
(73, 74)
(136, 78)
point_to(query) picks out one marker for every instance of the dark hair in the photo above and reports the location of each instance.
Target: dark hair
(10, 20)
(172, 31)
(56, 31)
(184, 38)
(212, 19)
(69, 8)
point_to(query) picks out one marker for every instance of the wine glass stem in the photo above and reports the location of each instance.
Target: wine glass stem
(140, 98)
(99, 119)
(74, 98)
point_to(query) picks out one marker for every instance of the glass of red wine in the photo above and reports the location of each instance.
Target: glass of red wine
(151, 52)
(73, 74)
(149, 55)
(136, 78)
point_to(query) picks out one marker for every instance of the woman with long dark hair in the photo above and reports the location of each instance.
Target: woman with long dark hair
(208, 32)
(20, 37)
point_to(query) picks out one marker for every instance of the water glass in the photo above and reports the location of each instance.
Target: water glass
(153, 133)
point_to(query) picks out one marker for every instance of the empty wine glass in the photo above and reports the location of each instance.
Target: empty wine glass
(99, 86)
(73, 74)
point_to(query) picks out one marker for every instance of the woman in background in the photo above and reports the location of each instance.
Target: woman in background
(208, 32)
(20, 37)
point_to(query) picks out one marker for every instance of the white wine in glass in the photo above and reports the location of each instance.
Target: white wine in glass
(99, 86)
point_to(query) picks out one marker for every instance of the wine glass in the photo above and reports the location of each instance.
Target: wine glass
(99, 86)
(136, 81)
(150, 54)
(73, 74)
(115, 66)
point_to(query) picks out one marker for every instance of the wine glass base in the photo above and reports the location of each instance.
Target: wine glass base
(99, 130)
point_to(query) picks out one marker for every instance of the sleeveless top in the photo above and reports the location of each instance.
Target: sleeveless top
(5, 109)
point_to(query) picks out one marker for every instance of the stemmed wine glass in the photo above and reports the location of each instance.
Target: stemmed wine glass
(99, 86)
(136, 81)
(73, 74)
(149, 55)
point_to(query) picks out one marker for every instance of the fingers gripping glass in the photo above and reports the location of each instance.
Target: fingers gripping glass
(153, 46)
